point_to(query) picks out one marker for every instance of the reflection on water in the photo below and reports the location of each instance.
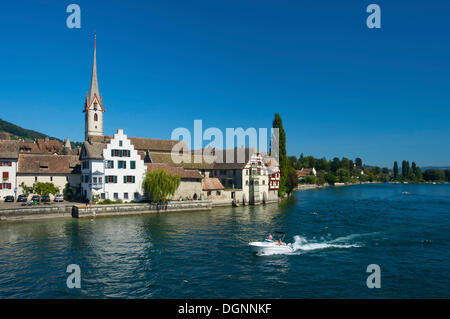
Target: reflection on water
(205, 254)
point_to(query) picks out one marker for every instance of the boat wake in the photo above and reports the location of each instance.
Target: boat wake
(301, 245)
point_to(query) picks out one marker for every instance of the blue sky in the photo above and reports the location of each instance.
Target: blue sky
(342, 89)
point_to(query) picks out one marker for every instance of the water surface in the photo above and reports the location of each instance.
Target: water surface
(338, 232)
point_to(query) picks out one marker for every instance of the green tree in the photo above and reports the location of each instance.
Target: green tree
(320, 179)
(26, 190)
(294, 162)
(335, 165)
(292, 181)
(343, 174)
(395, 170)
(322, 165)
(433, 175)
(331, 178)
(447, 175)
(358, 162)
(158, 185)
(283, 160)
(404, 170)
(43, 189)
(310, 179)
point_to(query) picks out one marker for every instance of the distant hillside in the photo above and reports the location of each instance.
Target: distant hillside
(17, 132)
(435, 167)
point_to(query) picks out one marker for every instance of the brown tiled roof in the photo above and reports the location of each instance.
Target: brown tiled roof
(212, 183)
(153, 144)
(178, 171)
(304, 172)
(5, 136)
(9, 149)
(92, 150)
(188, 163)
(40, 146)
(51, 164)
(238, 162)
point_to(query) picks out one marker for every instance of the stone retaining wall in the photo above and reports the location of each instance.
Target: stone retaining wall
(18, 213)
(134, 209)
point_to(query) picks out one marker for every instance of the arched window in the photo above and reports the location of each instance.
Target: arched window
(95, 117)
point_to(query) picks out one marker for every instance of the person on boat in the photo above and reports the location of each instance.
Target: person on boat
(270, 237)
(279, 242)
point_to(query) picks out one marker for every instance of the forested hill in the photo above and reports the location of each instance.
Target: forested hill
(17, 132)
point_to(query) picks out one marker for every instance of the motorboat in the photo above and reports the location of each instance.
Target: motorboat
(272, 245)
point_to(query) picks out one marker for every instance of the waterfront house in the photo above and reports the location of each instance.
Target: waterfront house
(111, 170)
(59, 170)
(8, 167)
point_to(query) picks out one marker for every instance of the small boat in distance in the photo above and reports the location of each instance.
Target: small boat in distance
(272, 245)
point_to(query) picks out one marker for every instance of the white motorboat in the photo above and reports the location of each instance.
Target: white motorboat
(272, 245)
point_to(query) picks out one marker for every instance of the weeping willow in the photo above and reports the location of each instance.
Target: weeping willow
(158, 185)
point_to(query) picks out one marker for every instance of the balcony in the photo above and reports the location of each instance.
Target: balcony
(95, 186)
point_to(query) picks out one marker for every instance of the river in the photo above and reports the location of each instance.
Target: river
(337, 232)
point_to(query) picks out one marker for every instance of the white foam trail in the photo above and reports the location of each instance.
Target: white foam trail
(301, 243)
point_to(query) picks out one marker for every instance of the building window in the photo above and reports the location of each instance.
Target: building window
(120, 143)
(5, 186)
(264, 182)
(109, 164)
(136, 195)
(111, 179)
(35, 178)
(5, 175)
(246, 183)
(125, 195)
(85, 164)
(128, 179)
(95, 117)
(122, 164)
(209, 193)
(51, 178)
(246, 172)
(218, 192)
(116, 196)
(133, 164)
(102, 195)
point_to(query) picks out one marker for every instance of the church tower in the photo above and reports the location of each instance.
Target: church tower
(93, 106)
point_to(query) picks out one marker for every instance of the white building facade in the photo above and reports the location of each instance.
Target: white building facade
(114, 171)
(8, 182)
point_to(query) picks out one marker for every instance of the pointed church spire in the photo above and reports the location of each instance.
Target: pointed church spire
(93, 90)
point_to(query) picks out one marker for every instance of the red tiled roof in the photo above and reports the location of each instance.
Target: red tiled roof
(304, 172)
(51, 164)
(211, 183)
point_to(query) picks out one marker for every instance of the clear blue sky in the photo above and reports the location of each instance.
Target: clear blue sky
(342, 89)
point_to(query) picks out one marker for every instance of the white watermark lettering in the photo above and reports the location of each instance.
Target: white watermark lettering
(74, 20)
(74, 279)
(214, 150)
(374, 20)
(374, 279)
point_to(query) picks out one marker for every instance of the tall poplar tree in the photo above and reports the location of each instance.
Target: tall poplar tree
(395, 170)
(284, 163)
